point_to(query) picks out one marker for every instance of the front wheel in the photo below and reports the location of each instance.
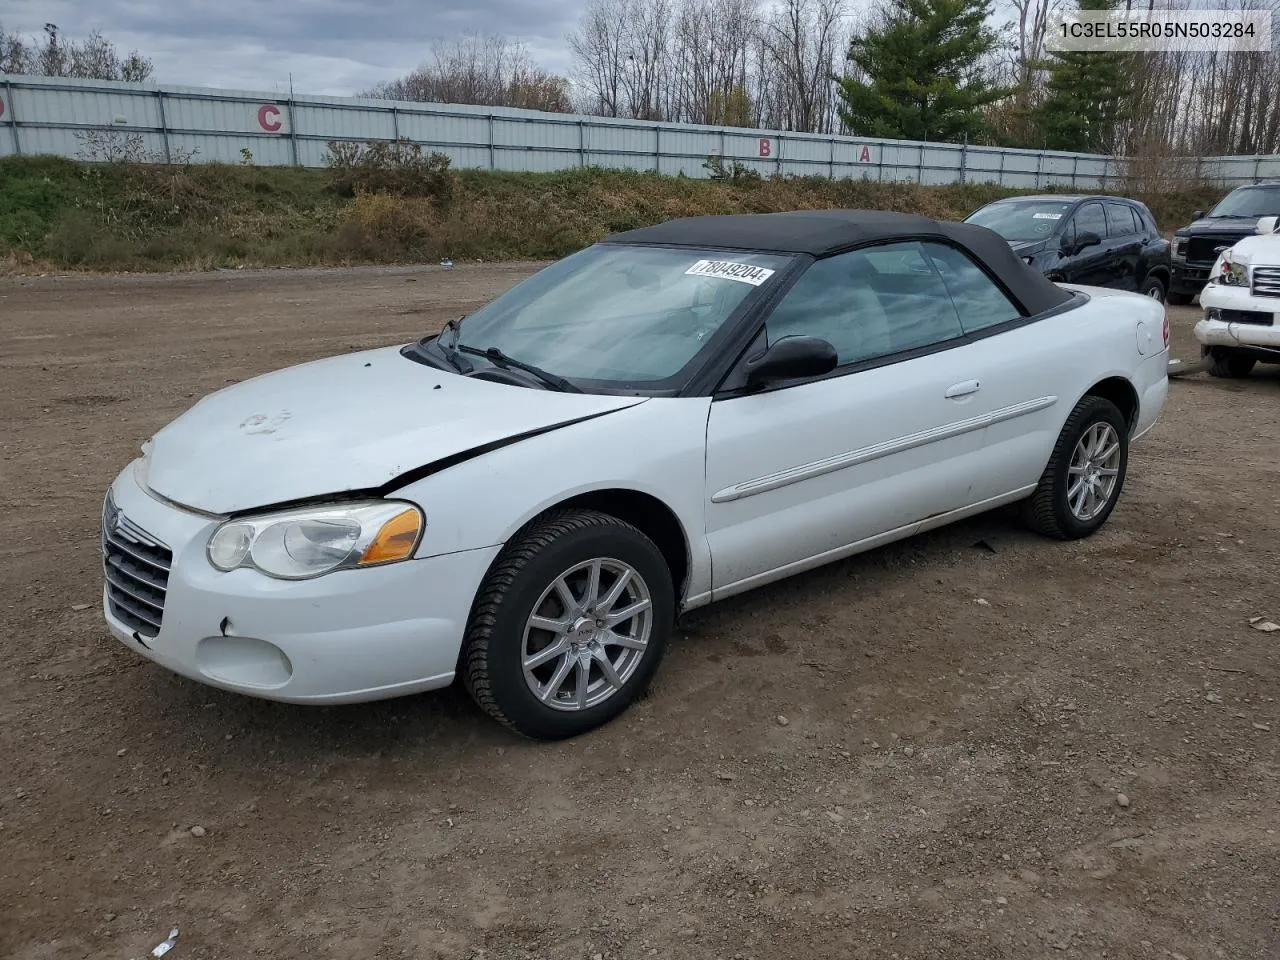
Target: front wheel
(569, 626)
(1153, 287)
(1082, 482)
(1226, 362)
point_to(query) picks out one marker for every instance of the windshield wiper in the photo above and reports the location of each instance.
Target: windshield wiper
(500, 359)
(451, 354)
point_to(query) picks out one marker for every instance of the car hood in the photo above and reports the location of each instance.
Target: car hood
(1211, 225)
(1255, 250)
(348, 423)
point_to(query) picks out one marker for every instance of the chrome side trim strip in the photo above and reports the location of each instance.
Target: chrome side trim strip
(817, 468)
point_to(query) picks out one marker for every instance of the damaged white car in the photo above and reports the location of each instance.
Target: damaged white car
(666, 418)
(1241, 303)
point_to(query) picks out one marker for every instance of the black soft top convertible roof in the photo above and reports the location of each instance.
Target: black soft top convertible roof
(821, 233)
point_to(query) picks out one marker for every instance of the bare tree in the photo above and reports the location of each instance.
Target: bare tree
(712, 57)
(15, 54)
(799, 42)
(1207, 102)
(598, 47)
(646, 30)
(94, 58)
(1033, 24)
(487, 70)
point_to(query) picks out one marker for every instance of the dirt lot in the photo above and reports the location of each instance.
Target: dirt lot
(945, 784)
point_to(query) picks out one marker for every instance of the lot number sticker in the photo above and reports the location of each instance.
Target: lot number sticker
(728, 270)
(1046, 216)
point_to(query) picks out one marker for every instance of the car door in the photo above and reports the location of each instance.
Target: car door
(1125, 243)
(1025, 378)
(1088, 264)
(800, 472)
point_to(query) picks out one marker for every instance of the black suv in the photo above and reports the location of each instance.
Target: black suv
(1195, 248)
(1099, 241)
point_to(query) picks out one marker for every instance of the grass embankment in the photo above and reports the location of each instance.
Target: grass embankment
(136, 217)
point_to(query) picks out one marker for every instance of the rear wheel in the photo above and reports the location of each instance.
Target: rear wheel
(1230, 363)
(1082, 482)
(569, 626)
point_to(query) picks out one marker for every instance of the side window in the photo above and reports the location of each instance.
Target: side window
(869, 303)
(1089, 219)
(980, 302)
(1120, 222)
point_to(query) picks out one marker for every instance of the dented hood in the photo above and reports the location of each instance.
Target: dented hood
(347, 423)
(1257, 250)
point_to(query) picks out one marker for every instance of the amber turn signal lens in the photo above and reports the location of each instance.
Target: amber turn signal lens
(396, 540)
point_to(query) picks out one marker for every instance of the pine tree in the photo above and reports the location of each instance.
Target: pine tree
(1086, 98)
(919, 74)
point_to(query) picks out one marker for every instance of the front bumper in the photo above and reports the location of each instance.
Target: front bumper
(1188, 278)
(346, 637)
(1217, 333)
(1232, 303)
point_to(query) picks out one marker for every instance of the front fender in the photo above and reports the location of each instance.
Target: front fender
(656, 448)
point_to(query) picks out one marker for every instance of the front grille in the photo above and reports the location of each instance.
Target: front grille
(1205, 249)
(1266, 281)
(1255, 317)
(136, 567)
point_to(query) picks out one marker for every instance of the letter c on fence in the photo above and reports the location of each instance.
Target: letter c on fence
(766, 147)
(269, 118)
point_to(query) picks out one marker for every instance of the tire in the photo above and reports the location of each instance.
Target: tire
(1176, 299)
(1049, 511)
(560, 549)
(1229, 363)
(1153, 287)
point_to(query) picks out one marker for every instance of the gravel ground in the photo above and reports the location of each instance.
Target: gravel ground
(975, 744)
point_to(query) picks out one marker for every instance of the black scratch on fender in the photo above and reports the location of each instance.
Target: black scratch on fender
(417, 473)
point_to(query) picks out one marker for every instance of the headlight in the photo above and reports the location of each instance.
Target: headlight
(1233, 274)
(312, 541)
(1179, 250)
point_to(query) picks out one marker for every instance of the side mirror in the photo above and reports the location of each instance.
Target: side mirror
(1086, 239)
(1197, 215)
(791, 358)
(1268, 224)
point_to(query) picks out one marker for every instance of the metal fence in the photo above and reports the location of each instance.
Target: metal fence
(75, 118)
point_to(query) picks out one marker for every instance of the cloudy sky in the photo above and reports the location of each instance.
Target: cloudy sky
(332, 47)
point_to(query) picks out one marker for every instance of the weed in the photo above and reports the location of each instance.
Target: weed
(398, 168)
(158, 216)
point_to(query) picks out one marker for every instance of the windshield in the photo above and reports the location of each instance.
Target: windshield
(620, 314)
(1249, 202)
(1021, 219)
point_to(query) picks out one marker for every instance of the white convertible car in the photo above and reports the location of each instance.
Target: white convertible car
(664, 419)
(1241, 304)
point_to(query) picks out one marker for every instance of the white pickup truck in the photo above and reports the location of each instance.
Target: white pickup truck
(1241, 302)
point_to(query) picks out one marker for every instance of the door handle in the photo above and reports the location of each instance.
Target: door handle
(962, 389)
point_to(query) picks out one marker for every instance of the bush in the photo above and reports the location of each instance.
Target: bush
(738, 172)
(398, 168)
